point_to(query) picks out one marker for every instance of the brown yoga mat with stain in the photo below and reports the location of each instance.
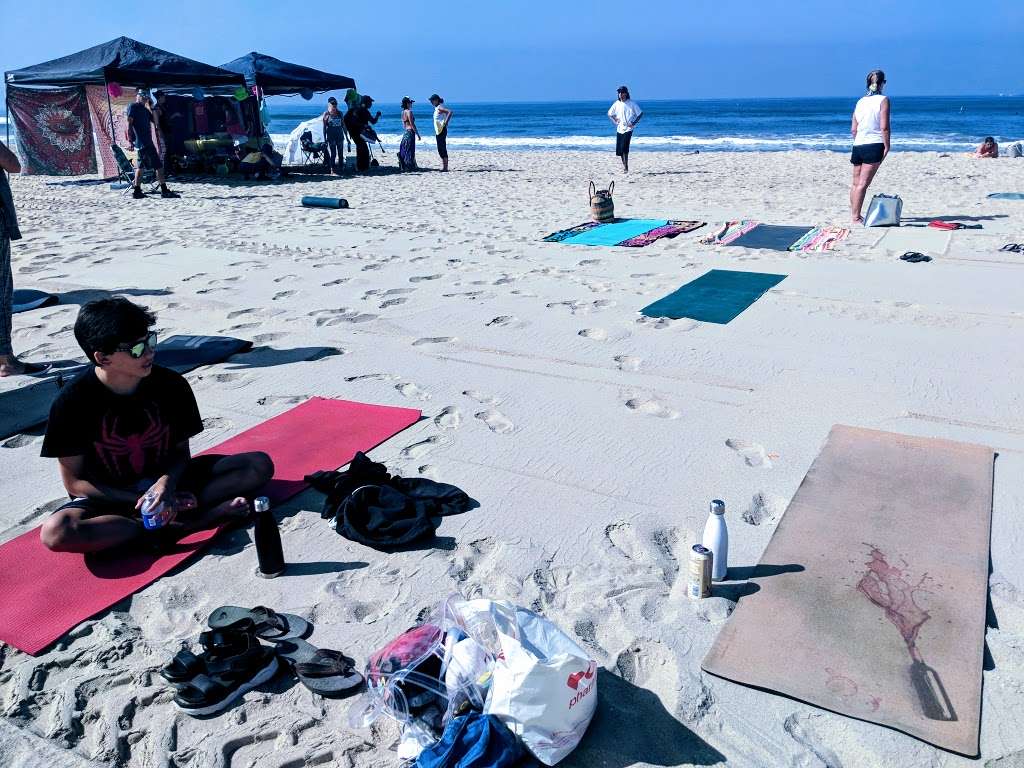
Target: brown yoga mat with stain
(881, 612)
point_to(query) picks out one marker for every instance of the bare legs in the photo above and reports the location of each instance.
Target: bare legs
(233, 478)
(862, 176)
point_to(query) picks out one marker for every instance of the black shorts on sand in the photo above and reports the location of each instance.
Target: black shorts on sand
(442, 143)
(867, 153)
(197, 475)
(149, 157)
(622, 143)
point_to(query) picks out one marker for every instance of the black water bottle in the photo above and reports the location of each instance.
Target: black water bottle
(268, 540)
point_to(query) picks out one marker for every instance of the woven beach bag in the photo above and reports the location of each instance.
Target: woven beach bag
(601, 206)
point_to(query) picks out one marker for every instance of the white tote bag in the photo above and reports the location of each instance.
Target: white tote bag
(884, 211)
(544, 686)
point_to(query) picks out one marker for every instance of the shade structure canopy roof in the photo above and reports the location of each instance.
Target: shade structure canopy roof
(280, 78)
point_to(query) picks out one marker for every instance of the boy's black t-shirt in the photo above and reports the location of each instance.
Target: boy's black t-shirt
(124, 438)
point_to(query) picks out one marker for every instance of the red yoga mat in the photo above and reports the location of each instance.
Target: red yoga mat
(44, 594)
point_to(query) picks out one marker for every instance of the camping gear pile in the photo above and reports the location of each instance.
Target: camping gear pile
(481, 658)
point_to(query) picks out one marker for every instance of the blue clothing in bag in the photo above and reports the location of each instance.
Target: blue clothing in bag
(473, 741)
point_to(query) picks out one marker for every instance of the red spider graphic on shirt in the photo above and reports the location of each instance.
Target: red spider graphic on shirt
(113, 446)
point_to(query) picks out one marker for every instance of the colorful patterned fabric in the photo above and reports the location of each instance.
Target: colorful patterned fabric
(820, 239)
(407, 151)
(671, 229)
(99, 110)
(729, 232)
(54, 131)
(557, 237)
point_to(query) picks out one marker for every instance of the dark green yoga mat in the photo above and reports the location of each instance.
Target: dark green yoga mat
(771, 236)
(715, 297)
(311, 201)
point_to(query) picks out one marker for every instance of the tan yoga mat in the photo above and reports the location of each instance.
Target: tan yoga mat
(877, 606)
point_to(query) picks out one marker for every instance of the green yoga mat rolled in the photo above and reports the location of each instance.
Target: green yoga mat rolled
(310, 201)
(872, 592)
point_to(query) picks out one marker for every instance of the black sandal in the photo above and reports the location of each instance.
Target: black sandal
(227, 680)
(914, 257)
(186, 665)
(261, 621)
(323, 671)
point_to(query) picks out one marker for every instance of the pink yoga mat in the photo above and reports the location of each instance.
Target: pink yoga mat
(44, 594)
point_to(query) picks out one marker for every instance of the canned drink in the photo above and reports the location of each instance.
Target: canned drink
(699, 584)
(152, 515)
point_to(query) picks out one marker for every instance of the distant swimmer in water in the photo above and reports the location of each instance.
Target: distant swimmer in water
(870, 129)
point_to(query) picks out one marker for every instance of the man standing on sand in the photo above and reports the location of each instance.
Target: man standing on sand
(10, 365)
(442, 116)
(625, 114)
(140, 133)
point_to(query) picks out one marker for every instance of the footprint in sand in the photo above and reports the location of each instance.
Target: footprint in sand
(421, 278)
(627, 362)
(753, 454)
(660, 323)
(262, 338)
(503, 320)
(429, 471)
(652, 407)
(411, 390)
(597, 334)
(481, 397)
(434, 340)
(392, 302)
(241, 327)
(282, 295)
(371, 377)
(339, 281)
(449, 418)
(421, 448)
(764, 508)
(193, 277)
(496, 421)
(283, 278)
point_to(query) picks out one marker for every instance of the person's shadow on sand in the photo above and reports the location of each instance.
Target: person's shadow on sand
(632, 727)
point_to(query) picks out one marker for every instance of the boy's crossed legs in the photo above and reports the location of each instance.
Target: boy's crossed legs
(220, 483)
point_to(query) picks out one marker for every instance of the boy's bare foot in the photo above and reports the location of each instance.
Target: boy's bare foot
(237, 508)
(10, 365)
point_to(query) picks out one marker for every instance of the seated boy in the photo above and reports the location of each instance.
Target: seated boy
(121, 429)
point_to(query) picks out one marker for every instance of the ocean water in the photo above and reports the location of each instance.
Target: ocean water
(918, 123)
(945, 124)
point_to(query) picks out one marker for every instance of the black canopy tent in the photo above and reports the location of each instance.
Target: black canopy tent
(281, 78)
(126, 62)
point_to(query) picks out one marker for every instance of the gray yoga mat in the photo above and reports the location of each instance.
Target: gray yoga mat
(25, 299)
(876, 608)
(29, 406)
(718, 296)
(773, 237)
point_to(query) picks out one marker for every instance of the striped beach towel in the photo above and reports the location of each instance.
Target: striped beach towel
(820, 239)
(729, 231)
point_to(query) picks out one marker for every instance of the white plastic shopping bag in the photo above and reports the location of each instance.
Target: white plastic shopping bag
(544, 686)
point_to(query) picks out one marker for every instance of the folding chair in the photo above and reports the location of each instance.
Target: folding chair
(312, 151)
(126, 170)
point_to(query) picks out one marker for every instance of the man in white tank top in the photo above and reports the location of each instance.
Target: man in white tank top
(870, 129)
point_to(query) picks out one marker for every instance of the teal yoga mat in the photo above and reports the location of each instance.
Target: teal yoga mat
(311, 201)
(1007, 195)
(717, 296)
(615, 233)
(25, 299)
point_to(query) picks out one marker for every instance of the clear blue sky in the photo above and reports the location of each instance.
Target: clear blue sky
(494, 50)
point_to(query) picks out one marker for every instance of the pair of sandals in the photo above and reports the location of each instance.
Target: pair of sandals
(1013, 248)
(234, 661)
(914, 257)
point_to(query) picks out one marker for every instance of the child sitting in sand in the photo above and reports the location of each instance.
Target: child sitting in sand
(988, 148)
(121, 429)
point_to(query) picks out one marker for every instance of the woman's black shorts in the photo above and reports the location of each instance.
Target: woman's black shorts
(442, 143)
(867, 153)
(622, 143)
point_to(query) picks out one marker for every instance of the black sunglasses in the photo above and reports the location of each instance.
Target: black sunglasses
(138, 349)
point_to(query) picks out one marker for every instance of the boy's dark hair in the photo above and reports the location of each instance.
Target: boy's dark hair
(103, 324)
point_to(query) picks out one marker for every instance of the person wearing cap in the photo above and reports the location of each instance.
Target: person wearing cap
(625, 113)
(356, 121)
(442, 116)
(407, 149)
(140, 134)
(334, 135)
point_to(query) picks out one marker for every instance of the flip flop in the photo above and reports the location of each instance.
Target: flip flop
(1013, 247)
(914, 257)
(329, 673)
(263, 622)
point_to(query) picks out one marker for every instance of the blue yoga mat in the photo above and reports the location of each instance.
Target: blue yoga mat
(615, 233)
(25, 299)
(773, 237)
(1007, 195)
(717, 296)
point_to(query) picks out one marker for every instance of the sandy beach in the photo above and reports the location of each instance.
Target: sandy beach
(592, 437)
